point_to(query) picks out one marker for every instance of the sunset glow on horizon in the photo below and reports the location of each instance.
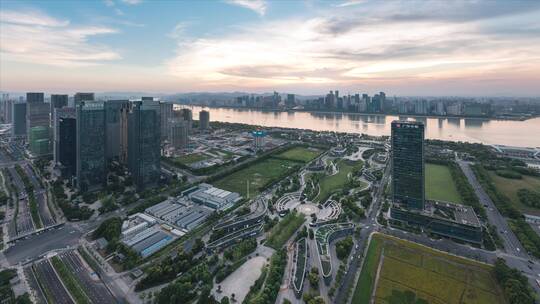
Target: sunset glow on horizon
(305, 47)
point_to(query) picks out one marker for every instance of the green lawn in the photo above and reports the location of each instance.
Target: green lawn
(259, 176)
(440, 185)
(302, 154)
(334, 183)
(191, 158)
(509, 187)
(280, 233)
(428, 275)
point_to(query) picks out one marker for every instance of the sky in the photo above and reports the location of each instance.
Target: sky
(450, 48)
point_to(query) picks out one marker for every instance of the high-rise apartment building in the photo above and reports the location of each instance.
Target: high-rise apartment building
(178, 133)
(144, 138)
(166, 115)
(204, 120)
(408, 163)
(19, 119)
(65, 141)
(116, 129)
(187, 115)
(90, 141)
(8, 110)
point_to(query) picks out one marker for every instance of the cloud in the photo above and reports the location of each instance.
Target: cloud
(132, 2)
(178, 30)
(350, 48)
(350, 3)
(42, 39)
(108, 3)
(31, 18)
(258, 6)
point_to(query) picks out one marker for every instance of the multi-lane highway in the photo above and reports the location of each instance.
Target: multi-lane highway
(24, 224)
(41, 197)
(51, 283)
(93, 287)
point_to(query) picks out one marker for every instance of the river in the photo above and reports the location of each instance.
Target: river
(488, 131)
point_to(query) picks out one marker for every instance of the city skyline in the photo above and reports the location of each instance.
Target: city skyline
(429, 48)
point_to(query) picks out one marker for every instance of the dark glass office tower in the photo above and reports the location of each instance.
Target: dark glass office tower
(91, 162)
(19, 119)
(116, 129)
(144, 137)
(408, 163)
(35, 97)
(67, 139)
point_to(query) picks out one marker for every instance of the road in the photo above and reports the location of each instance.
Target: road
(41, 197)
(511, 242)
(94, 289)
(48, 277)
(24, 218)
(36, 245)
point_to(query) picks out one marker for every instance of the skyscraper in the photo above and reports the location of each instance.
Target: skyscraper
(39, 140)
(166, 115)
(408, 163)
(65, 141)
(19, 119)
(144, 138)
(90, 141)
(187, 115)
(291, 100)
(116, 129)
(82, 97)
(57, 101)
(8, 110)
(37, 112)
(35, 97)
(204, 120)
(178, 133)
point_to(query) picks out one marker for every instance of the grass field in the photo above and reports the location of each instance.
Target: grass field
(302, 154)
(440, 185)
(191, 158)
(427, 275)
(334, 183)
(509, 187)
(258, 175)
(280, 233)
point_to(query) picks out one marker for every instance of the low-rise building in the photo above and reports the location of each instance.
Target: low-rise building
(441, 218)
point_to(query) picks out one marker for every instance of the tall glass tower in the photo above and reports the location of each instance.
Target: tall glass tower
(408, 163)
(91, 161)
(144, 138)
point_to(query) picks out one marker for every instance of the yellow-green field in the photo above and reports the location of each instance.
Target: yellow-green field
(509, 187)
(440, 185)
(302, 154)
(427, 275)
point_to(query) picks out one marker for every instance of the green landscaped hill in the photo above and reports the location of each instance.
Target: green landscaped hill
(440, 185)
(330, 184)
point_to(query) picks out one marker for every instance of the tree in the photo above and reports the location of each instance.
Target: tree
(225, 300)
